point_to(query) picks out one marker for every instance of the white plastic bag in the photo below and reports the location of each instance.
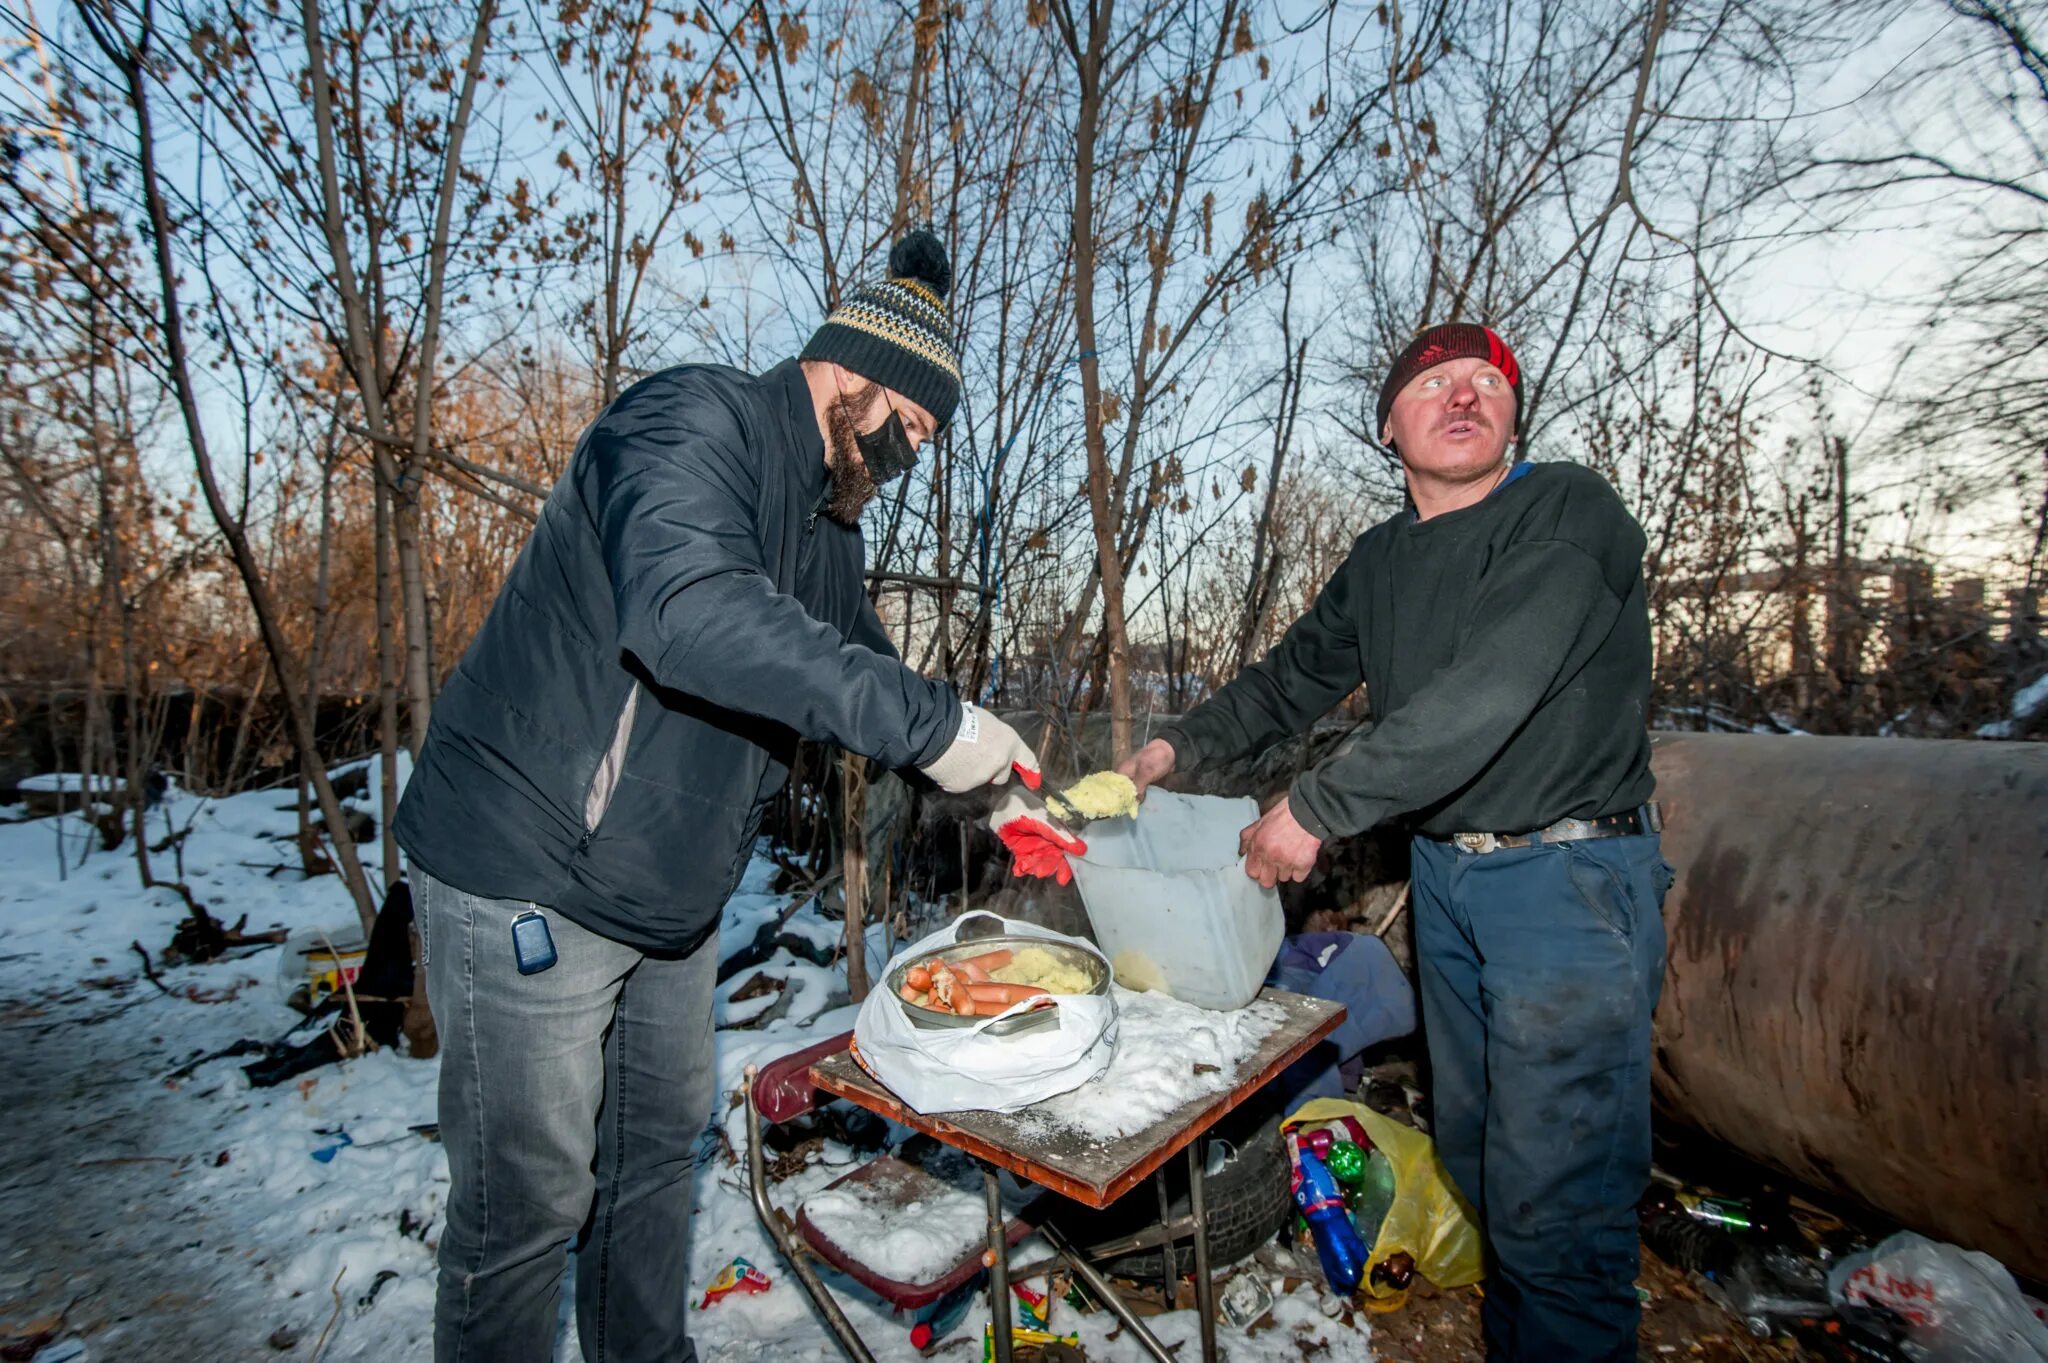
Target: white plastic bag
(935, 1069)
(1171, 905)
(1959, 1306)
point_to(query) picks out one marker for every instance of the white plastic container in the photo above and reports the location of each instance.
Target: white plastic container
(1171, 905)
(317, 961)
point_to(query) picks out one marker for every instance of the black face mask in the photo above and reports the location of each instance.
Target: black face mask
(886, 450)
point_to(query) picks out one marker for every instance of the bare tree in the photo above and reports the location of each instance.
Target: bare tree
(628, 102)
(1158, 132)
(131, 53)
(1965, 120)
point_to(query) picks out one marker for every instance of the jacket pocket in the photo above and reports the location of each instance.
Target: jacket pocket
(604, 782)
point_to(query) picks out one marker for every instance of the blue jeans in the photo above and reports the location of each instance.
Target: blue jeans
(573, 1101)
(1539, 968)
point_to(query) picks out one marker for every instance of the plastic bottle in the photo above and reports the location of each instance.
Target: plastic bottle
(1337, 1242)
(1346, 1161)
(1674, 1236)
(1766, 1217)
(1372, 1197)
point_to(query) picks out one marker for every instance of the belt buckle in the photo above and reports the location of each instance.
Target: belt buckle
(1476, 842)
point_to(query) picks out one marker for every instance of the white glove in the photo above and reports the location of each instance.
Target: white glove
(982, 754)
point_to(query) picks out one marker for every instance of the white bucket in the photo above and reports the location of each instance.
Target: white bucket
(1171, 905)
(317, 962)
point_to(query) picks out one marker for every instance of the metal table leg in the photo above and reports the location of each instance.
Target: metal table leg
(1100, 1288)
(1205, 1287)
(998, 1262)
(1169, 1275)
(820, 1295)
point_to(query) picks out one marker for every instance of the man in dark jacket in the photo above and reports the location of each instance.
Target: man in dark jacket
(691, 602)
(1499, 626)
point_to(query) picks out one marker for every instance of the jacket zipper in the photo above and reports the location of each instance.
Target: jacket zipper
(803, 552)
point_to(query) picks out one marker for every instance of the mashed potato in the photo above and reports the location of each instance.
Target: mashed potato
(1036, 965)
(1105, 795)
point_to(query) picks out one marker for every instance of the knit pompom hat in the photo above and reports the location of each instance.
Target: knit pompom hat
(1433, 346)
(898, 333)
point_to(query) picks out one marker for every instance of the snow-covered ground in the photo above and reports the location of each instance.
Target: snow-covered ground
(158, 1217)
(2029, 701)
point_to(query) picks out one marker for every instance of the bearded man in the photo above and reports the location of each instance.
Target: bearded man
(1499, 625)
(691, 602)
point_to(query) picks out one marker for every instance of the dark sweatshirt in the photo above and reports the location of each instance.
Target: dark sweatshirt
(1505, 650)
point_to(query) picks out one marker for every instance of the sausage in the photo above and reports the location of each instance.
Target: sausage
(1004, 994)
(990, 961)
(972, 973)
(910, 995)
(918, 977)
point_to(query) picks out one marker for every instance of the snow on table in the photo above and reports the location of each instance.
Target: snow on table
(1167, 1053)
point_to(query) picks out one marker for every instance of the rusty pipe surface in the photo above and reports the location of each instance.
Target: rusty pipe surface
(1857, 986)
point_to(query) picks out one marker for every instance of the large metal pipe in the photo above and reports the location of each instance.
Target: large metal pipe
(1857, 991)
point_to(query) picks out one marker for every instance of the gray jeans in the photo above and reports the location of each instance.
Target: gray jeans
(572, 1106)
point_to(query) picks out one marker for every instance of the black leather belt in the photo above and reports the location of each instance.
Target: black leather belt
(1643, 819)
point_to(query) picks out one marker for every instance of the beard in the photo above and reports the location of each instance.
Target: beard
(853, 487)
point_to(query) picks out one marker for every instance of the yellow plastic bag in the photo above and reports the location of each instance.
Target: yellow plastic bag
(1429, 1220)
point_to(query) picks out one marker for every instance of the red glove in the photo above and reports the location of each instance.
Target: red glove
(1039, 845)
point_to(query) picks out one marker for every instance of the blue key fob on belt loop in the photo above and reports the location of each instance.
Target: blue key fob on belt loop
(533, 946)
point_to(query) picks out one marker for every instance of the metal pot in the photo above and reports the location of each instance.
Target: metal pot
(1087, 961)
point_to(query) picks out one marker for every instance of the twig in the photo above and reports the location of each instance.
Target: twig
(359, 1043)
(148, 970)
(812, 891)
(321, 1345)
(1400, 902)
(243, 1047)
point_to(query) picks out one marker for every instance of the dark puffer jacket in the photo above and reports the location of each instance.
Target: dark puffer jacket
(681, 614)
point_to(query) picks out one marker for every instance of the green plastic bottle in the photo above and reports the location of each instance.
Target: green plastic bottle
(1371, 1196)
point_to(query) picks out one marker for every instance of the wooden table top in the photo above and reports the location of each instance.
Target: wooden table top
(1069, 1162)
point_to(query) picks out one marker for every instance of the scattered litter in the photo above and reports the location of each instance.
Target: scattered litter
(1043, 1340)
(1034, 1309)
(739, 1276)
(369, 1298)
(326, 1153)
(1245, 1300)
(1959, 1306)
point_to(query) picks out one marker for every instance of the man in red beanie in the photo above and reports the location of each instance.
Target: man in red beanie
(1498, 623)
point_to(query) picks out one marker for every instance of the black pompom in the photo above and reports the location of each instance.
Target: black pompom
(922, 256)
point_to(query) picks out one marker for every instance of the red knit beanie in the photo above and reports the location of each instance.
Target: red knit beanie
(1432, 346)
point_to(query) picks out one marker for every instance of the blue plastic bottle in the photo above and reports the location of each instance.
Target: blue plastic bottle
(1337, 1241)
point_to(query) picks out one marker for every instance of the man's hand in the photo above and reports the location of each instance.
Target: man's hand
(1039, 844)
(1277, 847)
(982, 753)
(1153, 762)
